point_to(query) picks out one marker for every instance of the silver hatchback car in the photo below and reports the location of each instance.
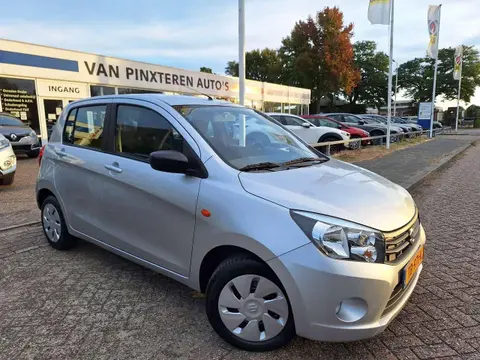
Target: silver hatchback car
(282, 239)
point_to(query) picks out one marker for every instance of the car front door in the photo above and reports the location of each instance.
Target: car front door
(148, 213)
(308, 135)
(78, 159)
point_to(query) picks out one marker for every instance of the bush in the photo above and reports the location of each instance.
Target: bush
(476, 124)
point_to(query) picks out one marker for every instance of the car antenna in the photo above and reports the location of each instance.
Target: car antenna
(199, 92)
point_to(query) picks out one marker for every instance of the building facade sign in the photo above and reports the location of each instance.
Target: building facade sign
(62, 89)
(41, 62)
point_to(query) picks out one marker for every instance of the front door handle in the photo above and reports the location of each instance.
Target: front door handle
(114, 168)
(60, 152)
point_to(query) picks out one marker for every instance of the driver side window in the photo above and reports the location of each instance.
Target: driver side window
(140, 131)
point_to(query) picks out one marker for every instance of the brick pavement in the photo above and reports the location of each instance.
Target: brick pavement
(17, 201)
(90, 304)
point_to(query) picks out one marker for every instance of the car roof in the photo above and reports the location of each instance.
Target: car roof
(275, 113)
(171, 100)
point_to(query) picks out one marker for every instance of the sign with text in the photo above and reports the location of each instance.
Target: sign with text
(61, 89)
(425, 111)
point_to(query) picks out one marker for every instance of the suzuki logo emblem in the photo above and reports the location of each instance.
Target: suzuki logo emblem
(13, 137)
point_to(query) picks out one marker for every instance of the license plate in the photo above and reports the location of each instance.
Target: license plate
(413, 266)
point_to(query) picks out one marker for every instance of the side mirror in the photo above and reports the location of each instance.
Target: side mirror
(169, 161)
(361, 122)
(306, 125)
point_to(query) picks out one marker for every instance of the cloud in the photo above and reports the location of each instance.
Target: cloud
(195, 34)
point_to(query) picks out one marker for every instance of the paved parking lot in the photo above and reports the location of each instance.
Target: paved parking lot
(90, 304)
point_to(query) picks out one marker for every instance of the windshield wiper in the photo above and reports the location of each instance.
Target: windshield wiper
(260, 166)
(302, 161)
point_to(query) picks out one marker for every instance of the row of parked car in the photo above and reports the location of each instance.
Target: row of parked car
(322, 128)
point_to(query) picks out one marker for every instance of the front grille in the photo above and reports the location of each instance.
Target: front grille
(397, 295)
(17, 137)
(398, 243)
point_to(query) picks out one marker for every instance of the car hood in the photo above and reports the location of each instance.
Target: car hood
(335, 189)
(18, 130)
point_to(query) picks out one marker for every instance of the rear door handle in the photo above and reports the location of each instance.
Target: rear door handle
(114, 168)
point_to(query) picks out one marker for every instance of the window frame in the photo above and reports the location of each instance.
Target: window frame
(104, 146)
(113, 133)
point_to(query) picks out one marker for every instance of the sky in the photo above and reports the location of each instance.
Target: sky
(192, 33)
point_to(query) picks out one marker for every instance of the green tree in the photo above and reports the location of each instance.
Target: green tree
(206, 70)
(261, 65)
(416, 76)
(318, 54)
(373, 66)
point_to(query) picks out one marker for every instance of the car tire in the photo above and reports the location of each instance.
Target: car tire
(355, 145)
(377, 141)
(242, 285)
(33, 153)
(333, 148)
(7, 179)
(54, 226)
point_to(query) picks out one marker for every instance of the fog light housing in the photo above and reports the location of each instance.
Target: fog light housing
(351, 310)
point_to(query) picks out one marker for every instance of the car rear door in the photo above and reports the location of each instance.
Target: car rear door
(78, 157)
(148, 213)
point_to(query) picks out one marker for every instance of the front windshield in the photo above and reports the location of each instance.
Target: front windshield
(9, 121)
(265, 141)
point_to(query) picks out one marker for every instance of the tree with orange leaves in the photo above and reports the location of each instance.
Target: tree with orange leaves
(319, 55)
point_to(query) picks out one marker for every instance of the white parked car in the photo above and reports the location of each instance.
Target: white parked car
(8, 162)
(308, 132)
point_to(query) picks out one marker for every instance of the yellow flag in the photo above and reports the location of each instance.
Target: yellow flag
(379, 12)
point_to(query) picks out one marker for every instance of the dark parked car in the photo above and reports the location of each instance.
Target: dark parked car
(23, 139)
(372, 127)
(383, 120)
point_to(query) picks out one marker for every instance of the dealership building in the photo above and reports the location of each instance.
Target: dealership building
(37, 82)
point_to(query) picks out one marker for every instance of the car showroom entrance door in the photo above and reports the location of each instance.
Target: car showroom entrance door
(53, 96)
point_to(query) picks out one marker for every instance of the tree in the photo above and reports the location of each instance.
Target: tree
(416, 76)
(261, 65)
(318, 55)
(373, 66)
(206, 70)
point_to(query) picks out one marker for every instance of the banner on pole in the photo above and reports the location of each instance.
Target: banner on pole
(457, 70)
(433, 29)
(379, 12)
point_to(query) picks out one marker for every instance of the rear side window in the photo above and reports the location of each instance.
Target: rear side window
(140, 131)
(84, 126)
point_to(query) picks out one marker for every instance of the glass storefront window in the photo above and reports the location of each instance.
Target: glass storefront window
(270, 107)
(18, 97)
(101, 90)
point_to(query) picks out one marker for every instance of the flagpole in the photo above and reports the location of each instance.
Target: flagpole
(432, 116)
(390, 73)
(458, 97)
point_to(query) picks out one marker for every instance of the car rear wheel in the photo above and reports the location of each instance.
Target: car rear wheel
(7, 179)
(54, 227)
(247, 305)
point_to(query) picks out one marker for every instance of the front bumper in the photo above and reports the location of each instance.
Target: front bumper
(316, 285)
(25, 145)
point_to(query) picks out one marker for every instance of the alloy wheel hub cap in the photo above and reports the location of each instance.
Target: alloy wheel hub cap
(253, 308)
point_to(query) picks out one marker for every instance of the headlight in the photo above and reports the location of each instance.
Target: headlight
(4, 143)
(32, 134)
(340, 239)
(345, 133)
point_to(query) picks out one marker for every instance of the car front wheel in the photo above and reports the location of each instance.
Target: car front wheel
(7, 179)
(247, 305)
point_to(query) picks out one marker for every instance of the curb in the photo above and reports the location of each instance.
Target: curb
(418, 180)
(20, 225)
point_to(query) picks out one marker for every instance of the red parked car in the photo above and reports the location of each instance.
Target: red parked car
(355, 133)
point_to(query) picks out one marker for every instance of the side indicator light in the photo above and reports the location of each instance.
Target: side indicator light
(205, 213)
